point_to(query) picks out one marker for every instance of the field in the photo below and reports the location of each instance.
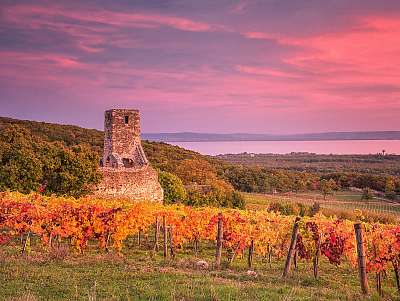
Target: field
(340, 202)
(373, 164)
(88, 249)
(142, 275)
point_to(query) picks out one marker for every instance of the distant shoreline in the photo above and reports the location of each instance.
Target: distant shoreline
(339, 147)
(228, 137)
(272, 140)
(328, 136)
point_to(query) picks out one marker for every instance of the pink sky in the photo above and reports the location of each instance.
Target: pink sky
(204, 66)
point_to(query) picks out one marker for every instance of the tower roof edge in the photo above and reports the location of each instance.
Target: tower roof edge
(123, 110)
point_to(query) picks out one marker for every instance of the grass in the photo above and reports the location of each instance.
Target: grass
(143, 275)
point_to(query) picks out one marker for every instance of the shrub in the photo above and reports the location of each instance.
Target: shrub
(283, 208)
(174, 190)
(315, 208)
(367, 194)
(238, 201)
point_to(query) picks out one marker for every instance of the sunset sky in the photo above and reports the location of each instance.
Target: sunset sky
(284, 66)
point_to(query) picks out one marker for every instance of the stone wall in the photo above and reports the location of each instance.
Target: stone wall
(134, 184)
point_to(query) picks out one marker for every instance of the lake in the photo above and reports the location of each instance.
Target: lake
(284, 147)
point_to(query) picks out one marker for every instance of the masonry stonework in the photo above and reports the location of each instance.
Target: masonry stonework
(126, 170)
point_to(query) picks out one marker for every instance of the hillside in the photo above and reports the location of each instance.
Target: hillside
(70, 134)
(260, 173)
(160, 154)
(198, 174)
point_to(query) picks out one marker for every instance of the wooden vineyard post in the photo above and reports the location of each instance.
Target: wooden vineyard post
(27, 243)
(196, 246)
(108, 241)
(50, 241)
(316, 257)
(292, 247)
(378, 279)
(361, 258)
(220, 232)
(165, 237)
(270, 257)
(171, 241)
(251, 254)
(139, 237)
(396, 274)
(156, 234)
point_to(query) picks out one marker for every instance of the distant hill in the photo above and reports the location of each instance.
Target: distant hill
(198, 137)
(72, 134)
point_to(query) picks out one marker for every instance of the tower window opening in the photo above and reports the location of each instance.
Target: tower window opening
(126, 119)
(128, 162)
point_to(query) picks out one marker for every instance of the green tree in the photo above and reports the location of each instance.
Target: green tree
(174, 190)
(70, 170)
(20, 164)
(27, 163)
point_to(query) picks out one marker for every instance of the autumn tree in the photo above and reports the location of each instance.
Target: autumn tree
(327, 187)
(390, 188)
(196, 171)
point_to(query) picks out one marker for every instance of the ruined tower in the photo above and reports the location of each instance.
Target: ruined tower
(126, 170)
(122, 147)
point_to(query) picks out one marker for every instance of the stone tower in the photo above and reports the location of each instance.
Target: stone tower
(122, 146)
(126, 171)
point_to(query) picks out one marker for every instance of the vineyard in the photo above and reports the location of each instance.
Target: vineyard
(262, 235)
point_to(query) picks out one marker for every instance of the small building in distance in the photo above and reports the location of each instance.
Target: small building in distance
(126, 171)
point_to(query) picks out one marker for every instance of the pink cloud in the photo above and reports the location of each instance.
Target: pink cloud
(353, 69)
(335, 67)
(259, 35)
(239, 7)
(38, 14)
(265, 71)
(277, 37)
(94, 31)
